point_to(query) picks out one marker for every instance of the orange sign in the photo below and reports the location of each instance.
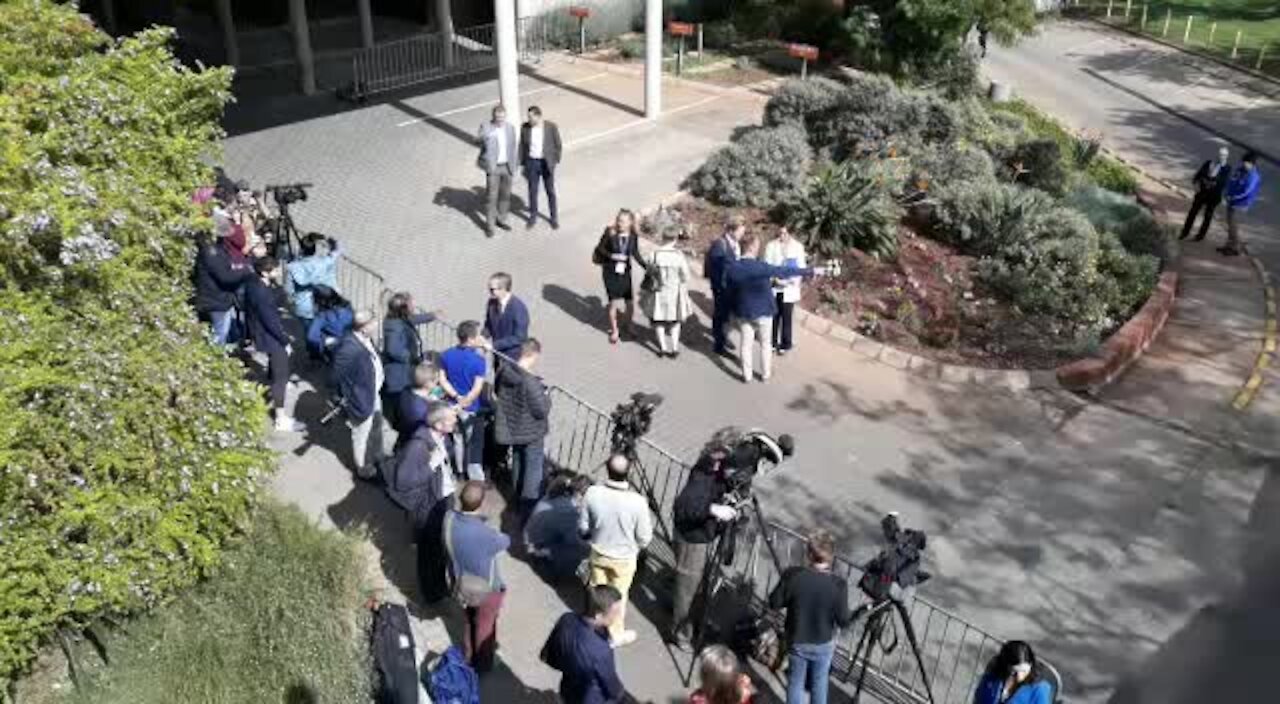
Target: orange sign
(580, 12)
(680, 29)
(803, 51)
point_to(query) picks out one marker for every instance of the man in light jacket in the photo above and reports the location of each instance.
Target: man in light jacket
(523, 408)
(318, 266)
(498, 159)
(616, 521)
(540, 151)
(785, 250)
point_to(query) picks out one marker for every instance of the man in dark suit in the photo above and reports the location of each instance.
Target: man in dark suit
(723, 252)
(358, 376)
(268, 335)
(1211, 182)
(506, 320)
(540, 151)
(497, 160)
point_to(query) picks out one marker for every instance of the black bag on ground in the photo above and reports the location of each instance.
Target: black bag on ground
(393, 660)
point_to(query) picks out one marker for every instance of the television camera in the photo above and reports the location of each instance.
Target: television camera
(287, 193)
(631, 421)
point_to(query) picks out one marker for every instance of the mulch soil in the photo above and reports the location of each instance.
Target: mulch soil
(924, 301)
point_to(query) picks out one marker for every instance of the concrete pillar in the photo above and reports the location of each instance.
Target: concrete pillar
(230, 43)
(444, 23)
(652, 58)
(504, 39)
(366, 23)
(302, 45)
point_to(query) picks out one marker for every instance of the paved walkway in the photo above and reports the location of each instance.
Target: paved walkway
(1086, 527)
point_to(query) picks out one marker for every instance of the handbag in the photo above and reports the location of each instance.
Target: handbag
(652, 280)
(468, 589)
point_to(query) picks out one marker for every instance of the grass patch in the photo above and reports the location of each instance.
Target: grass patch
(281, 621)
(1103, 170)
(1257, 21)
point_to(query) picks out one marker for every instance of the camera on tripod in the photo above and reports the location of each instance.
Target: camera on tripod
(747, 455)
(898, 563)
(287, 193)
(631, 421)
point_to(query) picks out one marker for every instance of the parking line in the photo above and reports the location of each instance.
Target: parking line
(489, 103)
(636, 123)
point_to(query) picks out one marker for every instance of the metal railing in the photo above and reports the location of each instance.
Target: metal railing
(363, 287)
(420, 59)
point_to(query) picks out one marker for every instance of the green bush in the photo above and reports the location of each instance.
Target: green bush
(720, 34)
(132, 448)
(284, 615)
(1112, 175)
(1039, 163)
(991, 219)
(1136, 227)
(940, 166)
(958, 77)
(848, 205)
(765, 167)
(631, 48)
(1125, 279)
(797, 99)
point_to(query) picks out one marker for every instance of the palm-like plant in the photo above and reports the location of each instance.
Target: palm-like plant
(848, 205)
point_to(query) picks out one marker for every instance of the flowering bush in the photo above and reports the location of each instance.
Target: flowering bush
(131, 448)
(765, 167)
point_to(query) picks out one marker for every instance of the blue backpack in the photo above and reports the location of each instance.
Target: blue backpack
(451, 680)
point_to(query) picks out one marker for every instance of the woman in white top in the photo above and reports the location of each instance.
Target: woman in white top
(785, 250)
(668, 304)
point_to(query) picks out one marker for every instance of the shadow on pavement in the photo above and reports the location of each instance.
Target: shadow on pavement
(473, 203)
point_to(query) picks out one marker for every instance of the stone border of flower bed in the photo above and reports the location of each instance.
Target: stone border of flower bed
(1120, 350)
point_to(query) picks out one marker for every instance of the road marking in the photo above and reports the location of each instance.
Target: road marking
(489, 103)
(1250, 390)
(635, 123)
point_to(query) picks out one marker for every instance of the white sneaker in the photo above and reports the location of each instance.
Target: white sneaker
(624, 638)
(286, 424)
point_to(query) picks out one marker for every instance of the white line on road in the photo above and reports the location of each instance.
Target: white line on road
(488, 103)
(635, 123)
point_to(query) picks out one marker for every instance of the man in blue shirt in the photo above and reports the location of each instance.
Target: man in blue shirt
(473, 548)
(750, 285)
(464, 379)
(506, 319)
(1242, 191)
(579, 648)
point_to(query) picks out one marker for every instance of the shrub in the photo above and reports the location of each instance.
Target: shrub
(959, 77)
(284, 614)
(132, 448)
(989, 219)
(1039, 164)
(1085, 149)
(940, 166)
(720, 34)
(796, 99)
(631, 48)
(1112, 175)
(845, 206)
(765, 167)
(1136, 227)
(1125, 279)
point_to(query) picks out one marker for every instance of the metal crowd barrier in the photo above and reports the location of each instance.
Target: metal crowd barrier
(364, 288)
(955, 652)
(420, 59)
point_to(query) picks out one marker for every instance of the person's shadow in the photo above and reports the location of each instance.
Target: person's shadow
(588, 310)
(473, 203)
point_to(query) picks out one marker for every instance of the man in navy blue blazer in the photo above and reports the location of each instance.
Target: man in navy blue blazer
(723, 252)
(750, 285)
(262, 317)
(358, 376)
(506, 320)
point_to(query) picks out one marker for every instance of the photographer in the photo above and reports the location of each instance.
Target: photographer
(318, 266)
(698, 515)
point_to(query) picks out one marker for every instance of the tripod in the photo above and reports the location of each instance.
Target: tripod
(878, 619)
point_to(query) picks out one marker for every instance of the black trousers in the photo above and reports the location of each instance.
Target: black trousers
(782, 324)
(278, 377)
(719, 318)
(1200, 202)
(536, 170)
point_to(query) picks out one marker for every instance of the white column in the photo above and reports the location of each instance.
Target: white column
(302, 45)
(366, 23)
(504, 31)
(444, 22)
(652, 58)
(230, 43)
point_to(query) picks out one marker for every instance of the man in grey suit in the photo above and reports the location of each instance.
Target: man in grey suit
(539, 156)
(497, 160)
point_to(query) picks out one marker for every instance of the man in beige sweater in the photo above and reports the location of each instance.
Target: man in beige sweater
(616, 521)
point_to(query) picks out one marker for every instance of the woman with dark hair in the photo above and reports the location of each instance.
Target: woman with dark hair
(333, 318)
(401, 350)
(1012, 678)
(720, 678)
(618, 247)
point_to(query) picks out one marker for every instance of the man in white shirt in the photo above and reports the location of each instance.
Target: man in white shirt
(616, 521)
(497, 160)
(540, 151)
(785, 250)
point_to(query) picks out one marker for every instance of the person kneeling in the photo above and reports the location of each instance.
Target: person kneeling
(551, 533)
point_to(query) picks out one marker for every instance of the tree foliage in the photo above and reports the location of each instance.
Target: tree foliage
(130, 447)
(914, 38)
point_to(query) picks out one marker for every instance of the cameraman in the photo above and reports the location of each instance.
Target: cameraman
(698, 514)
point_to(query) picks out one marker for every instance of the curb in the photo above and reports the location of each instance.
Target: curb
(1185, 49)
(1251, 386)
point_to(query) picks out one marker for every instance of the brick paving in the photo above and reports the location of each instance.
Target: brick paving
(1090, 529)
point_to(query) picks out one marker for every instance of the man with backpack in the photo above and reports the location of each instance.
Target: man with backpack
(579, 649)
(473, 548)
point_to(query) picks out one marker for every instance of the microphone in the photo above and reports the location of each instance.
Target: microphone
(787, 444)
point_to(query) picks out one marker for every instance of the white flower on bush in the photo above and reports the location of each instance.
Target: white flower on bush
(88, 247)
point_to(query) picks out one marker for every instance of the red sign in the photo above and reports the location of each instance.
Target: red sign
(680, 29)
(803, 51)
(580, 12)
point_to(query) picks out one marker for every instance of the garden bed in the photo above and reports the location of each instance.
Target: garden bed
(924, 301)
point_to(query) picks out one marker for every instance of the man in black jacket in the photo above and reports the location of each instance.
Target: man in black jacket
(1211, 182)
(521, 422)
(216, 282)
(817, 605)
(268, 335)
(698, 513)
(540, 151)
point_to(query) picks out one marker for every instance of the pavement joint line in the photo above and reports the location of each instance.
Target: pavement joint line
(1249, 391)
(487, 103)
(636, 123)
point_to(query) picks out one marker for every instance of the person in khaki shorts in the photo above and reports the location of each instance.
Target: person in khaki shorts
(616, 521)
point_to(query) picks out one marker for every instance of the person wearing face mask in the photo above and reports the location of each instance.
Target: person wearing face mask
(1012, 678)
